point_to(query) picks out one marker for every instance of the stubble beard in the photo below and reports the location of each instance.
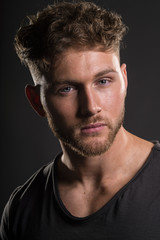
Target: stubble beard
(80, 144)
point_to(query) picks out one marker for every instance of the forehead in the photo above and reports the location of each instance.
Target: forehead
(75, 64)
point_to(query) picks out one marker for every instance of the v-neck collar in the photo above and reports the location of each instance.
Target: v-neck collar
(110, 202)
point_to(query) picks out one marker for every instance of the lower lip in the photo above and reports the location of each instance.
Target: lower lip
(93, 129)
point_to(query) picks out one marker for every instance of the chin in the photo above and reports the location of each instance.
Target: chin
(91, 147)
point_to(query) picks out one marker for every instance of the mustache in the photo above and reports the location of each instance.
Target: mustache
(93, 120)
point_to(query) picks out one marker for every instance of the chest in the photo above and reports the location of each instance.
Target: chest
(81, 202)
(129, 215)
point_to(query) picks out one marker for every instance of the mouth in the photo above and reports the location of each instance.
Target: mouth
(93, 128)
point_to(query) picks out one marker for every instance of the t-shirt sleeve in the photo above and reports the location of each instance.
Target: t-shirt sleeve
(6, 232)
(4, 227)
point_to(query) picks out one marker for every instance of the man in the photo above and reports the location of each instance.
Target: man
(105, 183)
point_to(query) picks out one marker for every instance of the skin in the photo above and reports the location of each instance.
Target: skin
(88, 99)
(83, 100)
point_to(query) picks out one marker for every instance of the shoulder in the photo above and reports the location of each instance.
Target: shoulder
(35, 183)
(25, 199)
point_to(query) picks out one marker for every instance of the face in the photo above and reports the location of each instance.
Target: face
(84, 100)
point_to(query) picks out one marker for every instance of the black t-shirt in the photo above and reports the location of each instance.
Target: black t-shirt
(36, 212)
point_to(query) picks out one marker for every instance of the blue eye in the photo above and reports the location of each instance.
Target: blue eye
(104, 81)
(66, 89)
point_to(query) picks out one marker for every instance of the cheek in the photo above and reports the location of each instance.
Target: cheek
(59, 109)
(114, 101)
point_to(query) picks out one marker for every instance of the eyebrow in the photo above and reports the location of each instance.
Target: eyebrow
(103, 72)
(99, 74)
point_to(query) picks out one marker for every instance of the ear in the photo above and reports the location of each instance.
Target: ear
(124, 74)
(33, 96)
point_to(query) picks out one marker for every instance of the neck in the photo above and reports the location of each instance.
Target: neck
(102, 165)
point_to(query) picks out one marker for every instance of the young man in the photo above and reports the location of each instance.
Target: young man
(105, 183)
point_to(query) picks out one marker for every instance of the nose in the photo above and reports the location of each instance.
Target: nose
(89, 102)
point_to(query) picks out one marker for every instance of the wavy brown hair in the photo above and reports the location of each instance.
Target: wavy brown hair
(63, 25)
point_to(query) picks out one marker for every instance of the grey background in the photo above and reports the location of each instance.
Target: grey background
(26, 140)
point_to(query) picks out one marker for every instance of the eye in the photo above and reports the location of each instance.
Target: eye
(66, 89)
(104, 81)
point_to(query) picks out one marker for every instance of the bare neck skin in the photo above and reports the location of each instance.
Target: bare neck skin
(124, 149)
(87, 183)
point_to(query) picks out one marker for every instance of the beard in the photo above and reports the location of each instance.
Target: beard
(87, 146)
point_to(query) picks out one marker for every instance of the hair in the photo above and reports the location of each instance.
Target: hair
(58, 27)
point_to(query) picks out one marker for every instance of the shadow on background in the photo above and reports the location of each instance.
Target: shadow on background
(27, 142)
